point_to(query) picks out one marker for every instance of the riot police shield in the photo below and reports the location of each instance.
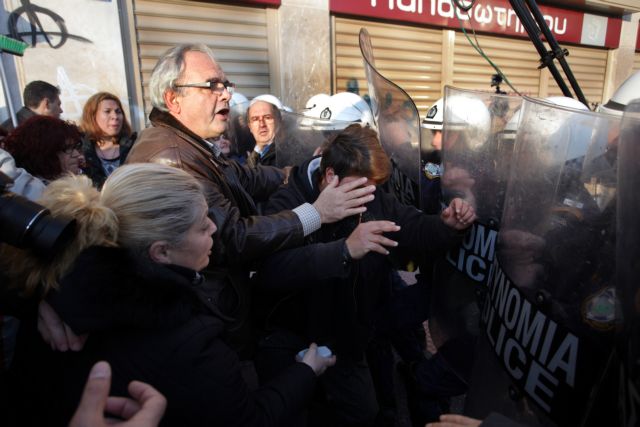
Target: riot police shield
(628, 266)
(398, 123)
(302, 136)
(297, 137)
(548, 317)
(238, 134)
(475, 158)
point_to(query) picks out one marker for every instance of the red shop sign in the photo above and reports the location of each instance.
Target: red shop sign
(489, 16)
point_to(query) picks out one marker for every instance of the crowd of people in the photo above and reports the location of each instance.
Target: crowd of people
(206, 281)
(193, 272)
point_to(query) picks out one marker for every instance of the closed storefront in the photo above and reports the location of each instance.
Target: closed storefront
(423, 58)
(409, 56)
(588, 66)
(517, 59)
(238, 36)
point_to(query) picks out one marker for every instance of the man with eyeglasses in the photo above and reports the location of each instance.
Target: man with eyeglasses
(190, 96)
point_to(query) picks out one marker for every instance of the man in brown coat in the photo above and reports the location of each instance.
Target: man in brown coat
(190, 97)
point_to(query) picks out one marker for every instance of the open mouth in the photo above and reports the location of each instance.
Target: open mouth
(223, 112)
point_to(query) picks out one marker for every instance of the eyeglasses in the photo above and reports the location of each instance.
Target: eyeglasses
(256, 119)
(71, 148)
(215, 86)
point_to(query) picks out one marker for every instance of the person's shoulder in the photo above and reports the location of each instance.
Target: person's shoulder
(98, 260)
(155, 133)
(155, 143)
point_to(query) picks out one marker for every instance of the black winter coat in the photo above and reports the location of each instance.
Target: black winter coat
(158, 325)
(317, 295)
(93, 166)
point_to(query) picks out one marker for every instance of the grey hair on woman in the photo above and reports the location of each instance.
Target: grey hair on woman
(139, 204)
(169, 69)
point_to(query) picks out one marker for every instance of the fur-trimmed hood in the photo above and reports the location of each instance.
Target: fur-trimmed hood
(108, 288)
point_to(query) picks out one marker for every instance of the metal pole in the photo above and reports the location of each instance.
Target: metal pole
(557, 52)
(534, 33)
(5, 88)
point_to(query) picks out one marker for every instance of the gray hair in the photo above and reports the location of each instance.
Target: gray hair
(169, 69)
(152, 202)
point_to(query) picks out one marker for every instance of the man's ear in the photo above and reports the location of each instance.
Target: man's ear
(172, 101)
(328, 175)
(159, 252)
(42, 107)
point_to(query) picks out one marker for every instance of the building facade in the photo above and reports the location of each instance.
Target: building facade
(297, 48)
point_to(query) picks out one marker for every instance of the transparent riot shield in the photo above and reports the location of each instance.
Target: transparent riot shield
(398, 124)
(628, 266)
(301, 137)
(238, 134)
(297, 137)
(476, 157)
(548, 319)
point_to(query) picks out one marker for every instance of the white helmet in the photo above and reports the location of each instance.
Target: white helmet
(435, 116)
(627, 91)
(315, 100)
(511, 127)
(271, 100)
(468, 114)
(565, 101)
(339, 110)
(237, 98)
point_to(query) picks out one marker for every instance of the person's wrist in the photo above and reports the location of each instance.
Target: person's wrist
(319, 210)
(346, 255)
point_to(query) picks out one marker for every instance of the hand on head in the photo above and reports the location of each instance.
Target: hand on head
(337, 202)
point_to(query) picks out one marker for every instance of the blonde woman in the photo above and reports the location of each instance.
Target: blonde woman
(135, 288)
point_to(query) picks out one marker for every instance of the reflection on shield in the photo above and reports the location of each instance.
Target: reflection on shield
(476, 160)
(395, 114)
(242, 142)
(549, 311)
(302, 136)
(628, 265)
(297, 137)
(476, 149)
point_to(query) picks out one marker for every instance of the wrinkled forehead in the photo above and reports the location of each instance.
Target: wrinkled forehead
(260, 108)
(199, 65)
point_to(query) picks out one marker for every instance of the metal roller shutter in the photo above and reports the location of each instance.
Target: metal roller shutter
(588, 66)
(409, 56)
(237, 35)
(517, 59)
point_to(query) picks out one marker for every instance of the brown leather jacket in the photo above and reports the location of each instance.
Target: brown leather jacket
(232, 191)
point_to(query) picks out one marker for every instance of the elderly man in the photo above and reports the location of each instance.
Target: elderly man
(190, 96)
(40, 98)
(264, 120)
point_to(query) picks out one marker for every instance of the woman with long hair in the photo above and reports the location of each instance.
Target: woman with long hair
(131, 281)
(107, 136)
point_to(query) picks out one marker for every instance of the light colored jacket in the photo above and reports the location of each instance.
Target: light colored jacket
(24, 183)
